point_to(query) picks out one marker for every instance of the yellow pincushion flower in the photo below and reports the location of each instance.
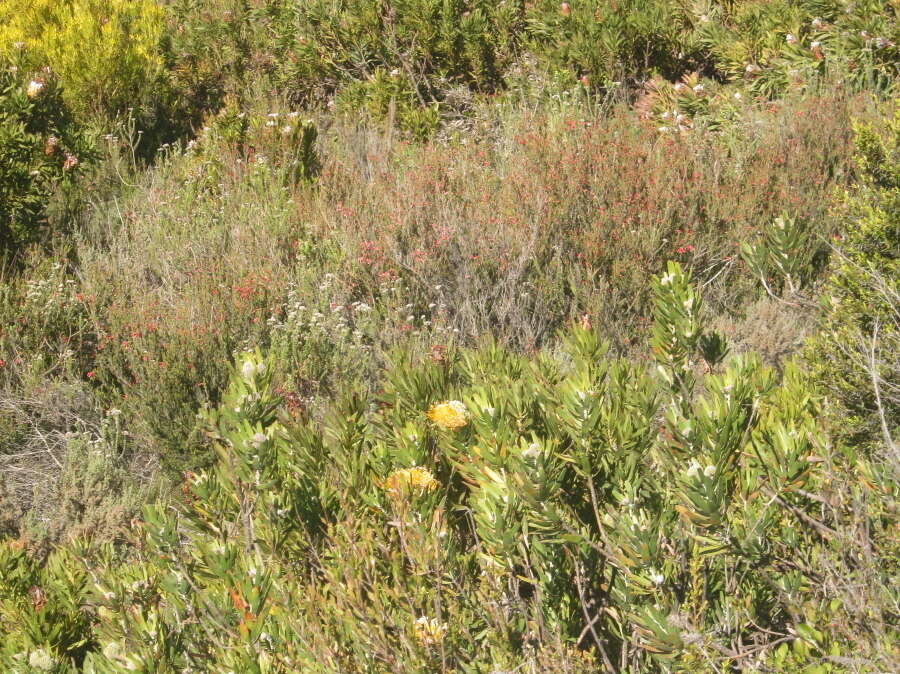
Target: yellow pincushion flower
(410, 479)
(452, 414)
(430, 630)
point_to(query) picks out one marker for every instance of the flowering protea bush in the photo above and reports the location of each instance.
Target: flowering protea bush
(448, 337)
(452, 414)
(777, 46)
(40, 147)
(283, 143)
(485, 511)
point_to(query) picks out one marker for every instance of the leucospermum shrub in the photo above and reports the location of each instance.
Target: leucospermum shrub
(607, 42)
(776, 46)
(591, 513)
(423, 65)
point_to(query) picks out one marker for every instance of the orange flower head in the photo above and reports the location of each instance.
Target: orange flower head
(415, 479)
(452, 414)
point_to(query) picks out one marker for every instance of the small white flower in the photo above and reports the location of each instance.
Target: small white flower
(699, 89)
(817, 23)
(667, 279)
(709, 471)
(34, 88)
(737, 96)
(815, 44)
(790, 39)
(657, 578)
(459, 407)
(258, 439)
(113, 412)
(40, 659)
(532, 451)
(663, 129)
(112, 650)
(248, 369)
(693, 469)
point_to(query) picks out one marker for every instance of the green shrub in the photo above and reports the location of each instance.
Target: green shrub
(40, 147)
(424, 63)
(42, 610)
(773, 46)
(783, 256)
(608, 41)
(105, 53)
(277, 143)
(489, 510)
(855, 355)
(430, 43)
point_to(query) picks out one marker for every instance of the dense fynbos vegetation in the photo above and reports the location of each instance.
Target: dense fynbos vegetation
(449, 336)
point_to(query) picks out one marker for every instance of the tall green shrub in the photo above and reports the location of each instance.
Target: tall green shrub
(40, 147)
(487, 510)
(855, 355)
(105, 52)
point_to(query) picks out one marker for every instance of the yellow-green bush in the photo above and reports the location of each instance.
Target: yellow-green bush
(105, 52)
(855, 356)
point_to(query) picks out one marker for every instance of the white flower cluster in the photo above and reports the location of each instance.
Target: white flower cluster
(51, 295)
(251, 369)
(34, 89)
(695, 469)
